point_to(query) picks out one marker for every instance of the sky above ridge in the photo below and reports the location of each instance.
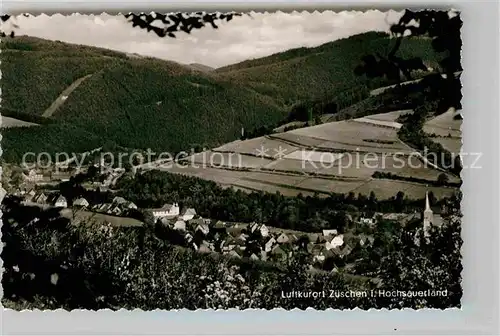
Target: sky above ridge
(246, 37)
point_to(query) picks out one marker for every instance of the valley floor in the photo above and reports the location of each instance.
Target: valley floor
(338, 157)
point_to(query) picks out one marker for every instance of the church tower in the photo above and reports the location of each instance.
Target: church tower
(428, 215)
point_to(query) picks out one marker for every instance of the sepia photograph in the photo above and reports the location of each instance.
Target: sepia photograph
(232, 160)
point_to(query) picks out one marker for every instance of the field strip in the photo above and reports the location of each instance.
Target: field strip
(320, 146)
(379, 123)
(263, 156)
(329, 177)
(290, 142)
(312, 174)
(400, 182)
(285, 186)
(322, 141)
(63, 96)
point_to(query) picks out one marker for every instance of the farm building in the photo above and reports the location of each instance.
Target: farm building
(166, 210)
(81, 202)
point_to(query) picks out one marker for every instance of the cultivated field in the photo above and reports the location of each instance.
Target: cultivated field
(298, 140)
(390, 116)
(231, 160)
(261, 146)
(368, 147)
(361, 167)
(446, 130)
(335, 157)
(315, 156)
(453, 145)
(354, 133)
(381, 123)
(329, 186)
(444, 125)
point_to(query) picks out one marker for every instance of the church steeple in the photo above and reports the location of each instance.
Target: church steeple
(428, 215)
(427, 205)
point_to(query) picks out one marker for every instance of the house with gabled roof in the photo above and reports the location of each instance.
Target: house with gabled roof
(283, 238)
(33, 176)
(180, 225)
(264, 230)
(61, 202)
(187, 214)
(235, 253)
(30, 195)
(219, 225)
(254, 257)
(116, 210)
(253, 226)
(81, 202)
(130, 205)
(40, 198)
(119, 200)
(335, 242)
(327, 233)
(188, 237)
(243, 237)
(229, 244)
(269, 244)
(203, 228)
(195, 222)
(204, 247)
(234, 231)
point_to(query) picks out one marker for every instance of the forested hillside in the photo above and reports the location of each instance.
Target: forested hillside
(141, 102)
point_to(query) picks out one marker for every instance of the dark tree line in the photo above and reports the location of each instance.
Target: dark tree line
(303, 213)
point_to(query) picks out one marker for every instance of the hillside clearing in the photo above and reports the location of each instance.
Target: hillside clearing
(57, 103)
(8, 122)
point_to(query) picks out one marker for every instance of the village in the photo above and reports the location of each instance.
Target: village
(184, 227)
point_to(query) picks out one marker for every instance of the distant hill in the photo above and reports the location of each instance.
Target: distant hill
(201, 67)
(145, 102)
(323, 71)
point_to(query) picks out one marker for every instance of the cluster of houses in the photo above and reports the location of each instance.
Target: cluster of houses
(330, 244)
(119, 206)
(254, 241)
(45, 199)
(37, 176)
(109, 178)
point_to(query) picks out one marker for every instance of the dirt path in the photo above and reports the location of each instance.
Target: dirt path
(63, 96)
